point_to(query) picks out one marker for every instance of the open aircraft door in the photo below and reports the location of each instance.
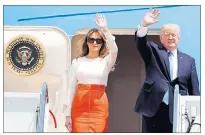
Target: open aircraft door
(125, 82)
(33, 56)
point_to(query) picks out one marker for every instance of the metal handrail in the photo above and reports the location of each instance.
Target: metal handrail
(176, 108)
(41, 110)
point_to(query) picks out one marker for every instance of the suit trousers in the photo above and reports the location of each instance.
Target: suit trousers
(159, 123)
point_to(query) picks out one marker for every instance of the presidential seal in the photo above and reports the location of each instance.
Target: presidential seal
(24, 55)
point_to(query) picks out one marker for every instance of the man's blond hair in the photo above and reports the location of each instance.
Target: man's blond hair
(170, 26)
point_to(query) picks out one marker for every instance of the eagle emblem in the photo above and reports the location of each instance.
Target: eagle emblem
(24, 56)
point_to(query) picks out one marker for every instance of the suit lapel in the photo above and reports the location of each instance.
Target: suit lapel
(180, 63)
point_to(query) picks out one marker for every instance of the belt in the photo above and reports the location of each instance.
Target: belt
(90, 87)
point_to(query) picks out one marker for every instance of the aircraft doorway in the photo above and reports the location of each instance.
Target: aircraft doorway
(125, 82)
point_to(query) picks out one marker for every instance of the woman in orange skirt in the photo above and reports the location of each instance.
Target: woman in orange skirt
(87, 108)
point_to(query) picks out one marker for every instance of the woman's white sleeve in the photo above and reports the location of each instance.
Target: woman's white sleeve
(71, 87)
(112, 48)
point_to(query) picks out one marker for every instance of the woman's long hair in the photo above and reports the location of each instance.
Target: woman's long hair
(103, 50)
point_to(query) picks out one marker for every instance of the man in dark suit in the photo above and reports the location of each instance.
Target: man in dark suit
(165, 67)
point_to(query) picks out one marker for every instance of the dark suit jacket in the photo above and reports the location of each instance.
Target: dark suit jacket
(158, 78)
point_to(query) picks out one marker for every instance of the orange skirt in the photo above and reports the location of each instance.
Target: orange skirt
(89, 111)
